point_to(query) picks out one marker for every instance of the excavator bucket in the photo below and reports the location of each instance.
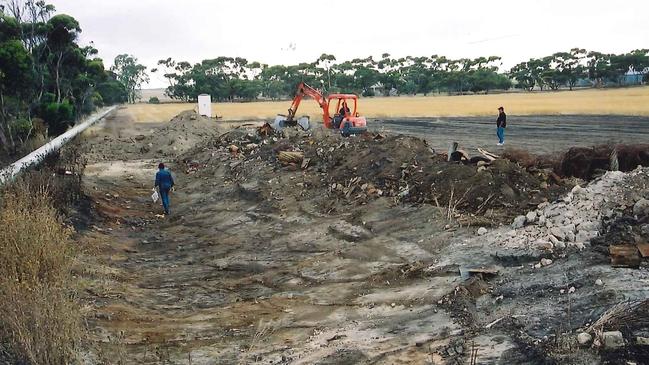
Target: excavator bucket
(281, 123)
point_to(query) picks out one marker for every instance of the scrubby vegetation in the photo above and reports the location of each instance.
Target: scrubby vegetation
(46, 74)
(39, 317)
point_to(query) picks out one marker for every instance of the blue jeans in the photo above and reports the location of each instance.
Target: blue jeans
(164, 196)
(500, 132)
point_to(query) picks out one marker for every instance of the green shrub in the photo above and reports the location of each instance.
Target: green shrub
(21, 128)
(97, 99)
(48, 98)
(154, 100)
(112, 92)
(58, 116)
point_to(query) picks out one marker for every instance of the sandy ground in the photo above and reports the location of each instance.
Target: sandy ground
(538, 134)
(232, 279)
(625, 101)
(242, 273)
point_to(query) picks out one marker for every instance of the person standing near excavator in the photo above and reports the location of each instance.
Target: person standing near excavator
(164, 182)
(501, 124)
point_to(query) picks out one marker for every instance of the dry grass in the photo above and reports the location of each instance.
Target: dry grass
(627, 101)
(39, 317)
(34, 244)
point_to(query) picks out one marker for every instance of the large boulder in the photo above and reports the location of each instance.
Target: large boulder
(584, 338)
(641, 208)
(349, 232)
(612, 340)
(585, 236)
(519, 222)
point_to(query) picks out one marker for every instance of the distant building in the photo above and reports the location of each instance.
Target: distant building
(377, 89)
(584, 82)
(633, 77)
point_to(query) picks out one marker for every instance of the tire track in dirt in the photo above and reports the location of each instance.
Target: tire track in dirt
(537, 134)
(254, 271)
(232, 280)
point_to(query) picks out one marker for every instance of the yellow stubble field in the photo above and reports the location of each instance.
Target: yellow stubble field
(623, 101)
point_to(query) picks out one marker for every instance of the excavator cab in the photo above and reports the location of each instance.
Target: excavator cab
(345, 115)
(342, 109)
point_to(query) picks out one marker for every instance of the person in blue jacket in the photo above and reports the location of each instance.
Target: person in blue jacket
(164, 182)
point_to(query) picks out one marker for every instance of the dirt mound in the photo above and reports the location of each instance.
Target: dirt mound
(182, 133)
(407, 169)
(528, 160)
(502, 185)
(336, 171)
(585, 162)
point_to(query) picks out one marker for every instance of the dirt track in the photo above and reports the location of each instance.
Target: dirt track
(542, 134)
(235, 277)
(253, 267)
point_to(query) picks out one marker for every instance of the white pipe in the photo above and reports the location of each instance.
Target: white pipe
(9, 173)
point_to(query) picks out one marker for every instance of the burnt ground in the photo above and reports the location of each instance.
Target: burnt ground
(538, 134)
(262, 262)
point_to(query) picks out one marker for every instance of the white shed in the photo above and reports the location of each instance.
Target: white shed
(205, 105)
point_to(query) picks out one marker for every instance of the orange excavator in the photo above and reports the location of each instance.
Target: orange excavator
(347, 120)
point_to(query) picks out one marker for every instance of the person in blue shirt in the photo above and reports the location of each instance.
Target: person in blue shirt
(164, 182)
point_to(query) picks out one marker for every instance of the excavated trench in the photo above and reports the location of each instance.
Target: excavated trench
(358, 256)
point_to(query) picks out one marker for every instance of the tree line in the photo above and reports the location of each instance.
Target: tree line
(47, 80)
(227, 78)
(565, 69)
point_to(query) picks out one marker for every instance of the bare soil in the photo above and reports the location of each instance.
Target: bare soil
(539, 134)
(359, 256)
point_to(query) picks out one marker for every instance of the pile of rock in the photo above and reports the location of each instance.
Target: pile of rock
(568, 223)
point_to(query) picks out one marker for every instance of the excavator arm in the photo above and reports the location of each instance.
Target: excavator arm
(306, 90)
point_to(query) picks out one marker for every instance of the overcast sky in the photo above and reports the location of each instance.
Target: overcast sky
(289, 32)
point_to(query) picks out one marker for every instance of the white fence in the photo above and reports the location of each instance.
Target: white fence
(10, 172)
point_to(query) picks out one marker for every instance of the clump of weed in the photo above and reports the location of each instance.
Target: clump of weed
(39, 316)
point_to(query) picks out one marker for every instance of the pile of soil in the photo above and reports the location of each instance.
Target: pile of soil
(182, 133)
(337, 171)
(586, 163)
(407, 169)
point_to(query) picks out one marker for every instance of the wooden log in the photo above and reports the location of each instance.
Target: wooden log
(463, 155)
(614, 162)
(488, 154)
(644, 249)
(452, 148)
(480, 161)
(305, 163)
(290, 157)
(624, 256)
(265, 130)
